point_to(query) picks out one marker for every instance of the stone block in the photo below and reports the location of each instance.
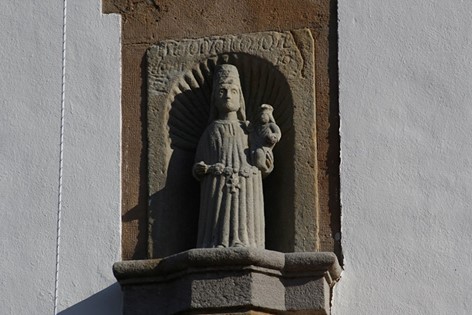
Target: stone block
(229, 281)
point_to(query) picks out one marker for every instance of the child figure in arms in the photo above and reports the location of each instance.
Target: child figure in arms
(263, 137)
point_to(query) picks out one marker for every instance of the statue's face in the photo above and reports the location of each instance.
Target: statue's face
(227, 98)
(265, 117)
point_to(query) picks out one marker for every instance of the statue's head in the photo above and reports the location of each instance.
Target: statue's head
(266, 114)
(227, 94)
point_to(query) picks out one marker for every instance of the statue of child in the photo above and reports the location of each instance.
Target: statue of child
(264, 134)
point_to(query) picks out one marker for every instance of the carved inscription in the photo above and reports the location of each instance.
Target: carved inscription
(216, 45)
(169, 59)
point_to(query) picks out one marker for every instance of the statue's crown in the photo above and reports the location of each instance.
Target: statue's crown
(226, 72)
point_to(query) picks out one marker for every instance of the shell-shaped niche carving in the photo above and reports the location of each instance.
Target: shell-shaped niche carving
(189, 97)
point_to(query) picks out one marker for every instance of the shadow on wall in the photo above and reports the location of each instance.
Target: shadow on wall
(106, 302)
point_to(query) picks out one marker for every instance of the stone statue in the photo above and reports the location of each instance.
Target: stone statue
(264, 134)
(231, 159)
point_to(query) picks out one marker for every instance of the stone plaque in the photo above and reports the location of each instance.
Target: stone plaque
(275, 68)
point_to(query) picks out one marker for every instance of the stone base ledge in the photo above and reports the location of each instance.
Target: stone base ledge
(230, 280)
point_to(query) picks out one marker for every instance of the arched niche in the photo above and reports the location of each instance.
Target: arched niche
(179, 104)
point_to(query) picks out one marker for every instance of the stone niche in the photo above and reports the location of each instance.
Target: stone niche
(276, 68)
(289, 275)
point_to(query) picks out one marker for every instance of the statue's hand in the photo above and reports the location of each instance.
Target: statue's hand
(200, 169)
(249, 126)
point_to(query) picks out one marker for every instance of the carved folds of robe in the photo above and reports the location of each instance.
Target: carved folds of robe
(231, 201)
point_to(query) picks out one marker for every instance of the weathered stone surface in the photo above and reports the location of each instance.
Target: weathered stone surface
(275, 68)
(200, 257)
(229, 281)
(231, 193)
(146, 22)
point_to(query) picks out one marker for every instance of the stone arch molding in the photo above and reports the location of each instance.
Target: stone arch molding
(276, 68)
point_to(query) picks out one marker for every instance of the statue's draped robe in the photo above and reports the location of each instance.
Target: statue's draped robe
(231, 200)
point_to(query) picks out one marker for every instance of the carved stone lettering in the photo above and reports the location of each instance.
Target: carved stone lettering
(279, 48)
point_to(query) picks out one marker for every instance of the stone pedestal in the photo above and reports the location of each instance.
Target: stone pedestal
(229, 281)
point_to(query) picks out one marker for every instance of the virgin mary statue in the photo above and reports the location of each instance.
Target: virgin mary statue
(231, 199)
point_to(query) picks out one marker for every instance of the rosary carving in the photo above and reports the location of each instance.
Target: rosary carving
(233, 155)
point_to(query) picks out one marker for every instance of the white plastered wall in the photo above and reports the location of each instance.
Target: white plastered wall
(406, 180)
(405, 70)
(30, 132)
